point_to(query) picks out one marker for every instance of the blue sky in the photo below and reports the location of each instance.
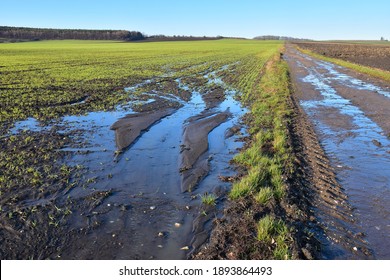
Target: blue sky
(321, 20)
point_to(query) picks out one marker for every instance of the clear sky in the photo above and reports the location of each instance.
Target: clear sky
(320, 20)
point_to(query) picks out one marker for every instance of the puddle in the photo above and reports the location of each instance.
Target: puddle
(359, 154)
(147, 215)
(30, 124)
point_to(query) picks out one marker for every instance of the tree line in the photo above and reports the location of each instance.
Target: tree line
(284, 38)
(27, 33)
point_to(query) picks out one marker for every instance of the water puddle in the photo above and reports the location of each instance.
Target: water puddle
(146, 214)
(359, 153)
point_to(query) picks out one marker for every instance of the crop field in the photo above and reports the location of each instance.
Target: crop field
(96, 135)
(45, 79)
(371, 55)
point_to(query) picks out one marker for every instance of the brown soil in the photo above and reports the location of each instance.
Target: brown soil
(214, 97)
(377, 56)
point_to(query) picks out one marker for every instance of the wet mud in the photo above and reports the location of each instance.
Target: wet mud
(142, 171)
(350, 116)
(193, 165)
(129, 128)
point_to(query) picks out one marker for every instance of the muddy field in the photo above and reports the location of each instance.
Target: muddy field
(146, 174)
(377, 56)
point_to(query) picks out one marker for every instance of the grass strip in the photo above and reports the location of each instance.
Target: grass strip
(268, 158)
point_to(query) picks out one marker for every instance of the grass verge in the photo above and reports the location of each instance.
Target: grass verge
(374, 72)
(268, 156)
(267, 159)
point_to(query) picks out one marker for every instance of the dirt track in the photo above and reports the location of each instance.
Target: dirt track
(351, 118)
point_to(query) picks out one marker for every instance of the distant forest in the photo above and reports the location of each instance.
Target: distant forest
(20, 34)
(32, 34)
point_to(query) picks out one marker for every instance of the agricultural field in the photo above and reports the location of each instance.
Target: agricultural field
(220, 149)
(123, 150)
(371, 55)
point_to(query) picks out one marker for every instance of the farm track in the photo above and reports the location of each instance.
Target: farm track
(349, 113)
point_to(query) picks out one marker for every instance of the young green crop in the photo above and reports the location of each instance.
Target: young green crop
(48, 79)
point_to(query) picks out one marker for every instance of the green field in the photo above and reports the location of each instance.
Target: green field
(44, 79)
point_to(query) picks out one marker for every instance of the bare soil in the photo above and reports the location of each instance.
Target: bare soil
(377, 56)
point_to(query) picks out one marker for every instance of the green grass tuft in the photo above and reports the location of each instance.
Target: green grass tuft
(209, 199)
(264, 195)
(274, 231)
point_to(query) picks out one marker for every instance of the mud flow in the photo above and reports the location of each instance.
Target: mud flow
(351, 117)
(146, 171)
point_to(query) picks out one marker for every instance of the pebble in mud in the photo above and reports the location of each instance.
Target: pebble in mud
(377, 143)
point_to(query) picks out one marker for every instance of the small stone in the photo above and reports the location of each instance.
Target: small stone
(307, 254)
(188, 207)
(160, 234)
(160, 246)
(152, 207)
(108, 204)
(377, 143)
(177, 225)
(113, 235)
(355, 248)
(184, 248)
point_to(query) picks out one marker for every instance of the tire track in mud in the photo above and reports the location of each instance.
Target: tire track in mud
(351, 120)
